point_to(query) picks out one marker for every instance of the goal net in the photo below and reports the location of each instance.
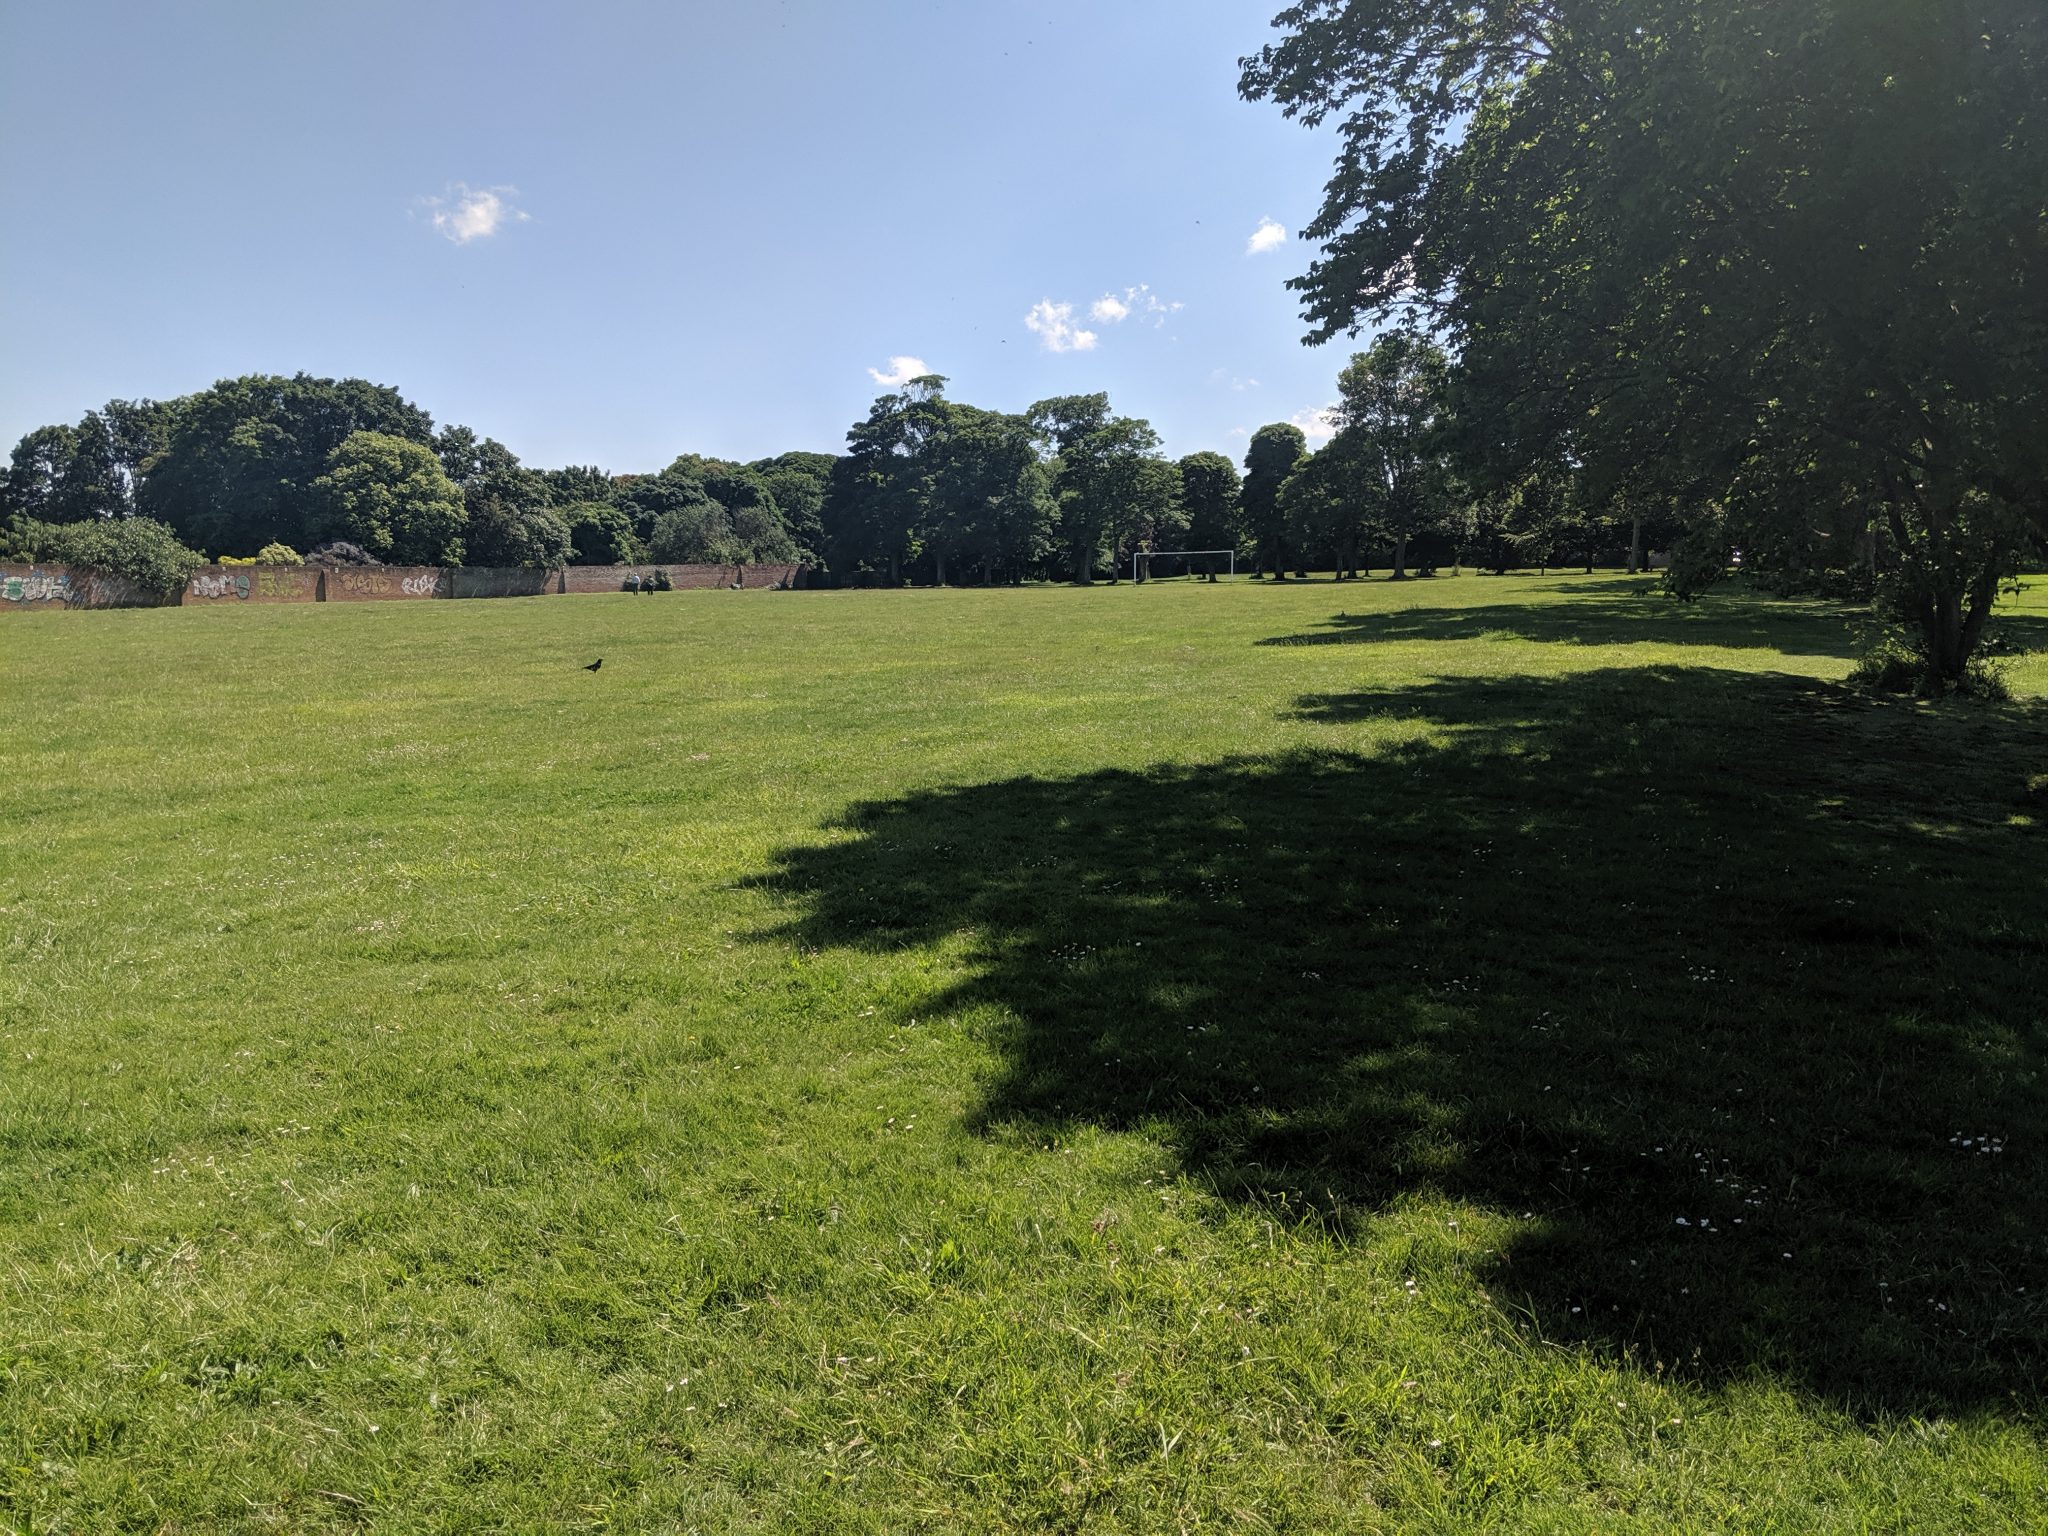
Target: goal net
(1201, 564)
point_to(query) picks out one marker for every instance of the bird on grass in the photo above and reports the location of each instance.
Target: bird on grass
(593, 666)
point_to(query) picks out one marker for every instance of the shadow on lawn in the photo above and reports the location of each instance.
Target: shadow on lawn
(1613, 619)
(1617, 949)
(1646, 617)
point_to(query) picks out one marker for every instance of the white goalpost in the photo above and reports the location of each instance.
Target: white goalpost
(1142, 559)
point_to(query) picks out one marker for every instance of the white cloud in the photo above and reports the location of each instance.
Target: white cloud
(1109, 309)
(1317, 425)
(1053, 324)
(1239, 432)
(901, 371)
(464, 213)
(1269, 236)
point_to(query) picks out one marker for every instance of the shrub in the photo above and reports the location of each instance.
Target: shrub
(139, 550)
(237, 560)
(1891, 664)
(279, 554)
(661, 582)
(600, 534)
(1894, 662)
(339, 552)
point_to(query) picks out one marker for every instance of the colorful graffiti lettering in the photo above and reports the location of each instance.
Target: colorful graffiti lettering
(37, 587)
(271, 582)
(420, 586)
(233, 584)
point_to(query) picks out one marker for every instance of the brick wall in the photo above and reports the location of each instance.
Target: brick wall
(25, 587)
(385, 583)
(215, 584)
(612, 578)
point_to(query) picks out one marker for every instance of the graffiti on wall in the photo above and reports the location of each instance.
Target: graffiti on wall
(233, 584)
(37, 587)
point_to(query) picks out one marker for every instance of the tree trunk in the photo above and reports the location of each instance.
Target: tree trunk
(895, 579)
(1635, 546)
(1084, 566)
(939, 567)
(1400, 558)
(1952, 625)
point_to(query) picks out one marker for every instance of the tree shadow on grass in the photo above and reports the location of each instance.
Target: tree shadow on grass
(1613, 619)
(1736, 621)
(1734, 981)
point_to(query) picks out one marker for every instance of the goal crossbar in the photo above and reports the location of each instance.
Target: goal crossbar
(1148, 555)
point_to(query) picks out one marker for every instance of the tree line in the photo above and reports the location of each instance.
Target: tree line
(930, 490)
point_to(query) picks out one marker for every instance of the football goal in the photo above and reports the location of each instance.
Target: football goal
(1198, 563)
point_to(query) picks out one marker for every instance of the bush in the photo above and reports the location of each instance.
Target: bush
(661, 582)
(1895, 662)
(1699, 562)
(339, 552)
(1891, 664)
(237, 560)
(600, 534)
(139, 550)
(279, 554)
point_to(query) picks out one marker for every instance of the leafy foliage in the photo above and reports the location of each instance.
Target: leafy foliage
(239, 467)
(391, 496)
(1272, 455)
(140, 550)
(1781, 251)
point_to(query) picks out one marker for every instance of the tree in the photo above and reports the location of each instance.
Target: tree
(798, 482)
(647, 499)
(507, 520)
(1787, 245)
(1209, 490)
(1391, 416)
(1323, 504)
(601, 534)
(34, 485)
(241, 458)
(1269, 459)
(578, 484)
(876, 502)
(1107, 482)
(694, 533)
(391, 496)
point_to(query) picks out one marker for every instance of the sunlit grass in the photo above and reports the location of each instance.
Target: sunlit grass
(1201, 1057)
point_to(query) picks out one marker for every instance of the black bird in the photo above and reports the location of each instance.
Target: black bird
(595, 665)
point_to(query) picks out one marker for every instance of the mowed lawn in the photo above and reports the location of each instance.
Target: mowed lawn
(1477, 1053)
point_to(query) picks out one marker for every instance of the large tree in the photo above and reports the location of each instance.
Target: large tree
(1787, 248)
(1209, 489)
(1272, 455)
(876, 501)
(797, 481)
(1391, 422)
(390, 496)
(1113, 491)
(507, 514)
(240, 458)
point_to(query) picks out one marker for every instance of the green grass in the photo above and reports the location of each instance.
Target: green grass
(1469, 1054)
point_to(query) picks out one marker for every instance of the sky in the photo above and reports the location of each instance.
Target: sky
(609, 233)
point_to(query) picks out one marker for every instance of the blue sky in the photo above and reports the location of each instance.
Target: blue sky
(610, 233)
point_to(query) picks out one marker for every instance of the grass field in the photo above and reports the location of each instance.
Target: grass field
(1473, 1054)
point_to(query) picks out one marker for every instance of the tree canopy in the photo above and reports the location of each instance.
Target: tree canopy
(1785, 251)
